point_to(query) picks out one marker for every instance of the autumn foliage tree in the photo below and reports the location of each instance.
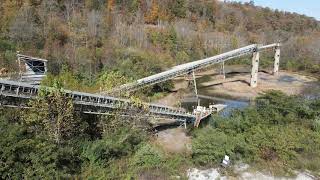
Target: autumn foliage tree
(153, 15)
(110, 5)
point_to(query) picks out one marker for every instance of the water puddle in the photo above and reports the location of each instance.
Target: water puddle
(190, 103)
(288, 79)
(206, 98)
(209, 96)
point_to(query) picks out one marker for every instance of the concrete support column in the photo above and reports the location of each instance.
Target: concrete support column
(255, 69)
(276, 60)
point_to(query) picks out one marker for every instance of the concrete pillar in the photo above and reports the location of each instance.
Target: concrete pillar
(255, 69)
(276, 60)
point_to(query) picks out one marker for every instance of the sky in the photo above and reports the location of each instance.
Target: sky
(307, 7)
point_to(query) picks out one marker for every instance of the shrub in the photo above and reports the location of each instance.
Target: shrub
(111, 147)
(147, 157)
(210, 146)
(281, 130)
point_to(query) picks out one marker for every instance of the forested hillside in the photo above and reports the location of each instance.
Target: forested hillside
(141, 37)
(96, 45)
(50, 141)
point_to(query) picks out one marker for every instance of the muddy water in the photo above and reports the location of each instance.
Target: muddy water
(206, 98)
(307, 86)
(190, 103)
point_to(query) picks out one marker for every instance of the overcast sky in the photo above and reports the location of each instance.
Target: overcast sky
(307, 7)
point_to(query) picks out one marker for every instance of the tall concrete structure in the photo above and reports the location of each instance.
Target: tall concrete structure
(255, 69)
(276, 60)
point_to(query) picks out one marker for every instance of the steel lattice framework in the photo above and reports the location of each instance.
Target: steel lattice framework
(17, 94)
(190, 67)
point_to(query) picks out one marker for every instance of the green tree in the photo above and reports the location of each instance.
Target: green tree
(109, 80)
(53, 113)
(182, 57)
(210, 146)
(147, 157)
(179, 8)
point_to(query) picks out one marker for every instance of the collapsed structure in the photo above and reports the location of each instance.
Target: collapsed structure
(31, 70)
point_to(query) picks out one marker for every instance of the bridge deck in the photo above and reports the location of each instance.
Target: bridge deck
(91, 103)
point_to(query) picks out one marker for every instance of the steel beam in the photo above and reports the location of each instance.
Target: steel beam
(195, 87)
(270, 46)
(193, 66)
(185, 69)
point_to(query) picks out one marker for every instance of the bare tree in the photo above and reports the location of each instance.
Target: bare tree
(24, 29)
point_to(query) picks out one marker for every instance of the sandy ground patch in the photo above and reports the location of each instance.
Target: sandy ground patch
(237, 85)
(174, 140)
(289, 83)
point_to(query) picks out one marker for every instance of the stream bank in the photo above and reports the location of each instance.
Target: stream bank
(226, 93)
